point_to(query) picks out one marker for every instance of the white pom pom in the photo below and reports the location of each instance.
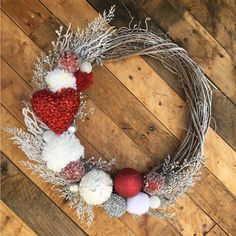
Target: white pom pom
(61, 150)
(48, 135)
(95, 187)
(58, 79)
(155, 202)
(139, 204)
(85, 67)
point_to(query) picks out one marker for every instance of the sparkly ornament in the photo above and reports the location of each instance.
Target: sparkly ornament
(74, 171)
(56, 110)
(58, 79)
(115, 206)
(83, 80)
(85, 67)
(154, 202)
(95, 187)
(68, 62)
(74, 187)
(127, 182)
(139, 204)
(60, 150)
(152, 183)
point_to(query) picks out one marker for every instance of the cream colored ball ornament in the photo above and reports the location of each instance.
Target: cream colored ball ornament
(95, 187)
(85, 67)
(154, 202)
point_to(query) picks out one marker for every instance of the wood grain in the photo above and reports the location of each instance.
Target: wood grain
(216, 231)
(32, 205)
(12, 225)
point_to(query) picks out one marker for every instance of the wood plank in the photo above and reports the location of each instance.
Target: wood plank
(193, 207)
(216, 231)
(12, 225)
(30, 204)
(216, 17)
(189, 34)
(223, 111)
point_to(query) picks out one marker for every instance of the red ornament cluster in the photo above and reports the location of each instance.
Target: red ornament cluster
(128, 182)
(152, 182)
(83, 80)
(68, 62)
(74, 171)
(56, 110)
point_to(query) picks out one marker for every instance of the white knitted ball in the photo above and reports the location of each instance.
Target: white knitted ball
(85, 67)
(58, 79)
(95, 187)
(139, 204)
(155, 202)
(60, 150)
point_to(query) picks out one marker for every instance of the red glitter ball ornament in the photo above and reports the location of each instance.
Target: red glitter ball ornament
(128, 182)
(74, 171)
(83, 80)
(56, 110)
(68, 62)
(152, 183)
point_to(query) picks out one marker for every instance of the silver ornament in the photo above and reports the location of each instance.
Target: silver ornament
(74, 187)
(115, 206)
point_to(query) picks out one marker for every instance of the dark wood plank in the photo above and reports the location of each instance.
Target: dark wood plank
(216, 17)
(31, 204)
(224, 110)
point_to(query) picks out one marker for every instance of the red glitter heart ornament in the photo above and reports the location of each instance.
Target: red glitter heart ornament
(56, 110)
(83, 80)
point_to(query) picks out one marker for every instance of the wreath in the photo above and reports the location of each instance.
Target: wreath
(56, 154)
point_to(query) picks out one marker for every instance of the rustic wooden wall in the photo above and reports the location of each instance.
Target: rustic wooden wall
(139, 115)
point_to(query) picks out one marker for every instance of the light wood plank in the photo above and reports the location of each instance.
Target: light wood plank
(12, 225)
(216, 231)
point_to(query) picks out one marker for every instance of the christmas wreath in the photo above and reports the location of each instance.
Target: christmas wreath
(56, 154)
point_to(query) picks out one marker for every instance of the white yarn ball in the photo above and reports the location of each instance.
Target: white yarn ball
(85, 67)
(58, 79)
(61, 150)
(48, 135)
(95, 187)
(154, 202)
(139, 204)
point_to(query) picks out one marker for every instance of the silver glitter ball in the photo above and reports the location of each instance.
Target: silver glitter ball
(72, 129)
(74, 187)
(115, 206)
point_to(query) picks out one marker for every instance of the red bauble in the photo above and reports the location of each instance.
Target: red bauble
(152, 183)
(68, 62)
(128, 182)
(56, 110)
(83, 80)
(74, 171)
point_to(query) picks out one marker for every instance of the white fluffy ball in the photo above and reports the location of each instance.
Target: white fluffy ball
(139, 204)
(95, 187)
(58, 79)
(155, 202)
(85, 67)
(61, 150)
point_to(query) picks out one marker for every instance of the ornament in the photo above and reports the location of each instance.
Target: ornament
(59, 151)
(95, 187)
(56, 110)
(74, 187)
(83, 80)
(68, 62)
(48, 135)
(115, 206)
(127, 182)
(152, 183)
(73, 171)
(85, 67)
(58, 79)
(154, 202)
(139, 204)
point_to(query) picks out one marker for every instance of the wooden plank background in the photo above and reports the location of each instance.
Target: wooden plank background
(139, 115)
